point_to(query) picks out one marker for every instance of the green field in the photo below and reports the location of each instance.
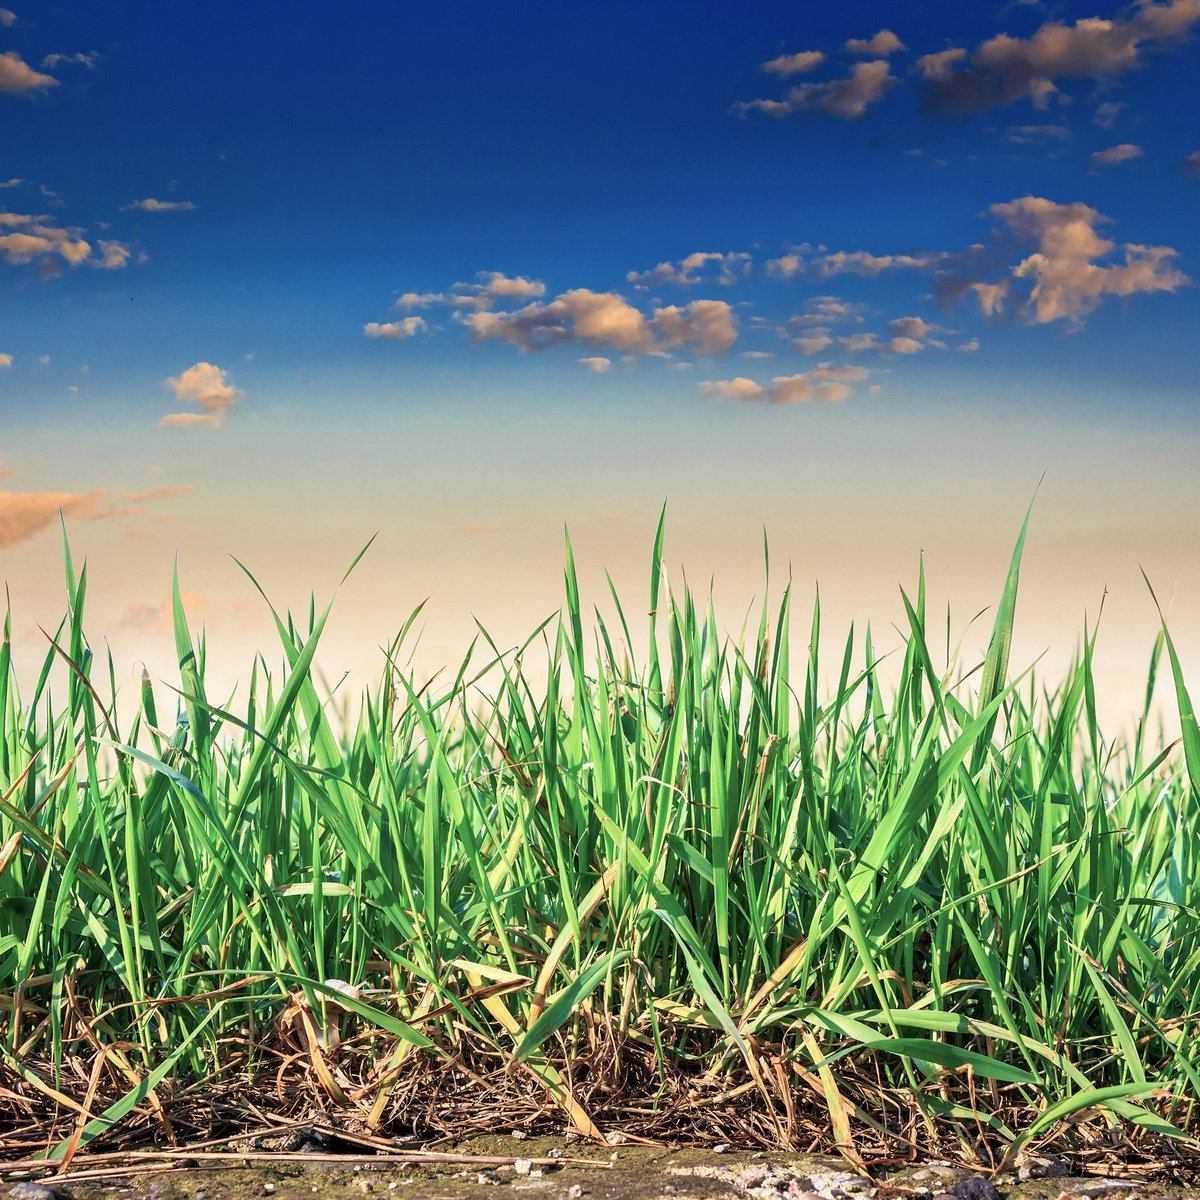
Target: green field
(690, 892)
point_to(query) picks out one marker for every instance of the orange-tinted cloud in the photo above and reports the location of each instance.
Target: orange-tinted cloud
(23, 515)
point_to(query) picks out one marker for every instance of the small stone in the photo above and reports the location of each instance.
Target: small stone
(937, 1171)
(554, 1152)
(522, 1166)
(1038, 1166)
(669, 1189)
(721, 1148)
(364, 1185)
(269, 1189)
(575, 1191)
(974, 1187)
(486, 1177)
(32, 1191)
(616, 1138)
(520, 1134)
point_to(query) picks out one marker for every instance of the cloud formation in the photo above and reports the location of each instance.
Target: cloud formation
(597, 363)
(1066, 277)
(150, 205)
(18, 78)
(608, 320)
(828, 384)
(885, 42)
(1115, 154)
(794, 64)
(847, 98)
(1004, 69)
(36, 238)
(208, 388)
(1191, 164)
(5, 361)
(23, 515)
(700, 267)
(397, 330)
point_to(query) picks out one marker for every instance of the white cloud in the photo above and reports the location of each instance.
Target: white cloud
(29, 238)
(847, 98)
(396, 330)
(7, 17)
(419, 300)
(1063, 278)
(794, 64)
(11, 183)
(694, 269)
(1115, 154)
(206, 386)
(150, 205)
(885, 42)
(905, 345)
(828, 384)
(859, 262)
(82, 59)
(597, 363)
(1106, 113)
(913, 327)
(18, 78)
(857, 343)
(969, 347)
(497, 284)
(812, 342)
(6, 361)
(1036, 134)
(1006, 69)
(607, 320)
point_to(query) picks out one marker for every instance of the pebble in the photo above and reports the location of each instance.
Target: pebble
(520, 1134)
(522, 1166)
(31, 1191)
(487, 1177)
(1093, 1189)
(1036, 1166)
(974, 1187)
(616, 1138)
(269, 1188)
(575, 1191)
(721, 1148)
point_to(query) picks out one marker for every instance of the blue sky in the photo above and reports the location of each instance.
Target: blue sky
(488, 268)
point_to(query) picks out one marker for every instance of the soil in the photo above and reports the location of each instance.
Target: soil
(549, 1171)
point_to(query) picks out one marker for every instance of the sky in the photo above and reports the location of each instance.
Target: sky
(857, 275)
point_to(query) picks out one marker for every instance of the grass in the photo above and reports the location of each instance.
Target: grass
(687, 895)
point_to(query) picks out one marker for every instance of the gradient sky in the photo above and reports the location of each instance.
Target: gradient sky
(857, 273)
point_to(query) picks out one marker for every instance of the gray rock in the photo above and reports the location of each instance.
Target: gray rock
(1093, 1189)
(1040, 1166)
(938, 1171)
(32, 1191)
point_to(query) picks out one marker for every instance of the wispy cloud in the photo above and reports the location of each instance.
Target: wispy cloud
(848, 97)
(7, 17)
(151, 205)
(6, 361)
(208, 388)
(794, 64)
(1115, 154)
(828, 384)
(700, 267)
(23, 515)
(81, 59)
(18, 78)
(1005, 69)
(1191, 164)
(597, 363)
